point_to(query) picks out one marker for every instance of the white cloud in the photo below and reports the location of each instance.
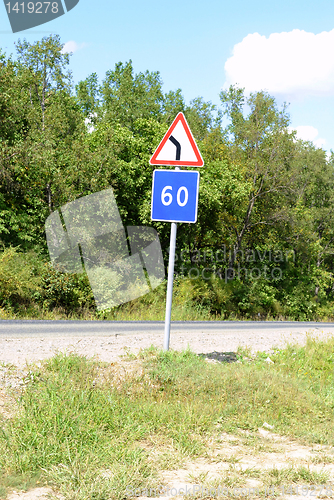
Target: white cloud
(73, 46)
(309, 133)
(294, 63)
(320, 143)
(305, 132)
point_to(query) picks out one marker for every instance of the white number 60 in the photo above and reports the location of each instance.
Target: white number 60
(167, 198)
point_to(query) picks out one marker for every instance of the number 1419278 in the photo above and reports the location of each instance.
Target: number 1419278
(32, 7)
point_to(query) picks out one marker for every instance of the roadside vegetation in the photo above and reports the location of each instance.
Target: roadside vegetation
(90, 429)
(263, 243)
(31, 288)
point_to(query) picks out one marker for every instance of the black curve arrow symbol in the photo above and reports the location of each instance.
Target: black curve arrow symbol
(178, 147)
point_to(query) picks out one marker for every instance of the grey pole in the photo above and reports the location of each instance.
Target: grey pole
(170, 282)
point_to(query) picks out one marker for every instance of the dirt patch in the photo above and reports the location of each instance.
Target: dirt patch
(235, 469)
(35, 494)
(8, 405)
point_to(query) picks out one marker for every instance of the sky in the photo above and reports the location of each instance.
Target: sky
(285, 47)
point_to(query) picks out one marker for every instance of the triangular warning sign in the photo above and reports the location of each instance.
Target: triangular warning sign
(178, 147)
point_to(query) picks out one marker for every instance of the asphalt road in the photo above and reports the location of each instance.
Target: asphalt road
(38, 328)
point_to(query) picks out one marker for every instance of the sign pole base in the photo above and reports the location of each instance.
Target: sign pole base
(170, 285)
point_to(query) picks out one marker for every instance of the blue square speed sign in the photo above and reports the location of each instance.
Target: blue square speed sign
(175, 195)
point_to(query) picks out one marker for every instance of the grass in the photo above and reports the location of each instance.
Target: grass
(293, 475)
(323, 459)
(90, 430)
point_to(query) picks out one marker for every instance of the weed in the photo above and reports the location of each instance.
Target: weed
(323, 459)
(232, 460)
(295, 475)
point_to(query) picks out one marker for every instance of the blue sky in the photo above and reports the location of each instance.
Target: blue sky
(284, 47)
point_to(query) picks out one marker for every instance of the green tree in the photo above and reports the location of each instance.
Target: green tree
(260, 150)
(200, 116)
(173, 103)
(45, 66)
(311, 233)
(40, 158)
(128, 96)
(88, 95)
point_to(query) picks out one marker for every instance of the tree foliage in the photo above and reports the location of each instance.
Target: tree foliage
(266, 199)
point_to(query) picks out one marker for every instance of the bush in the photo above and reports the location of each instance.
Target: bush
(60, 289)
(300, 303)
(20, 280)
(26, 280)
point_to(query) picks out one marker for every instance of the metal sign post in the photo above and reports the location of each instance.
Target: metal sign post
(169, 298)
(175, 194)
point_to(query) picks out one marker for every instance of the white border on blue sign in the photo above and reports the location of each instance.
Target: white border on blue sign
(184, 171)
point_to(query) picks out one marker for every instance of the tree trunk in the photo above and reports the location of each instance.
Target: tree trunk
(49, 196)
(239, 237)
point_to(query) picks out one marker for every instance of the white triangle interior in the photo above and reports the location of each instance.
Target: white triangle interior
(168, 152)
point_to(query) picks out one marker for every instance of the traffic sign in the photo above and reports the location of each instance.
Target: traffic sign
(178, 147)
(175, 195)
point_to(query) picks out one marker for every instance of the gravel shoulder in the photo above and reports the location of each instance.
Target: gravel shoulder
(109, 348)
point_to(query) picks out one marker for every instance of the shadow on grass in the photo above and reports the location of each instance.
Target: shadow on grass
(222, 357)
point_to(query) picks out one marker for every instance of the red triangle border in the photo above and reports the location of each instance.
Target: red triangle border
(199, 163)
